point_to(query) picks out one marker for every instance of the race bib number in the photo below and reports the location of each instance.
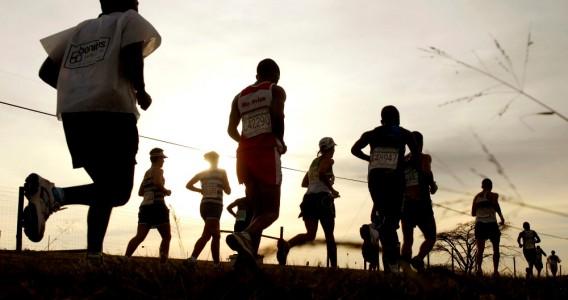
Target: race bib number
(256, 122)
(212, 190)
(411, 177)
(384, 158)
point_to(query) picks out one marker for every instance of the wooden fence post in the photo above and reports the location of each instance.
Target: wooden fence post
(514, 267)
(19, 221)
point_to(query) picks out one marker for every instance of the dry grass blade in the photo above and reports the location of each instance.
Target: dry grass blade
(440, 53)
(178, 230)
(474, 171)
(509, 68)
(506, 107)
(447, 169)
(526, 62)
(499, 167)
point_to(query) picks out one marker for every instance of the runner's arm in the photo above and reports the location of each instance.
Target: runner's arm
(305, 181)
(498, 209)
(231, 206)
(234, 119)
(429, 174)
(536, 237)
(226, 185)
(49, 72)
(474, 207)
(191, 184)
(324, 168)
(519, 239)
(132, 60)
(278, 97)
(158, 180)
(361, 143)
(141, 189)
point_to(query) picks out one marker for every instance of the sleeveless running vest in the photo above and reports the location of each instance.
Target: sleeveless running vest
(416, 185)
(151, 192)
(254, 104)
(212, 185)
(315, 184)
(485, 212)
(387, 148)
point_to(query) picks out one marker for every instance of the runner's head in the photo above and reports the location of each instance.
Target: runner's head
(486, 184)
(268, 70)
(553, 252)
(419, 139)
(157, 156)
(327, 145)
(526, 225)
(110, 6)
(390, 115)
(212, 157)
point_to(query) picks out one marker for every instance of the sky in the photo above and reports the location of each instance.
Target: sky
(341, 62)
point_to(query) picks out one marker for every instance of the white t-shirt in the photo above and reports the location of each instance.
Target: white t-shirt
(485, 210)
(90, 78)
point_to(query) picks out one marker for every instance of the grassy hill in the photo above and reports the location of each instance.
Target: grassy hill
(52, 275)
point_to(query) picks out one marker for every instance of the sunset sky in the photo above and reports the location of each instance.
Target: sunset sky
(341, 62)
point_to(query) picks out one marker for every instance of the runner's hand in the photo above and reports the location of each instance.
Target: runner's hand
(144, 100)
(433, 188)
(168, 192)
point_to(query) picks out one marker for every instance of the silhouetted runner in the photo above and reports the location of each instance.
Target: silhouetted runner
(371, 247)
(153, 212)
(485, 206)
(417, 206)
(538, 260)
(553, 260)
(386, 178)
(243, 216)
(317, 205)
(97, 69)
(260, 109)
(527, 240)
(213, 183)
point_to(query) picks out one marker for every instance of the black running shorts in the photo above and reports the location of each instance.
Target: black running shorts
(154, 214)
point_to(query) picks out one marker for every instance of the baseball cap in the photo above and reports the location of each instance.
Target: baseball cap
(157, 152)
(326, 143)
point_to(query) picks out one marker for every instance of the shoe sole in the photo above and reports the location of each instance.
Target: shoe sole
(31, 185)
(31, 226)
(236, 244)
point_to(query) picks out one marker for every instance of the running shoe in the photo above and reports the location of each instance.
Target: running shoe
(241, 242)
(282, 253)
(417, 263)
(41, 204)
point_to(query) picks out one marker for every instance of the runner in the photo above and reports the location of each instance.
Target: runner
(417, 207)
(538, 261)
(317, 205)
(527, 240)
(386, 178)
(153, 212)
(553, 262)
(243, 216)
(261, 143)
(213, 183)
(97, 69)
(370, 248)
(485, 206)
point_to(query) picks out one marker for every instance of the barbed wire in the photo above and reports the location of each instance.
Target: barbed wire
(542, 209)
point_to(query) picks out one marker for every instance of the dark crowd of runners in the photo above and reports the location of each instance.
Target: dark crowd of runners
(97, 68)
